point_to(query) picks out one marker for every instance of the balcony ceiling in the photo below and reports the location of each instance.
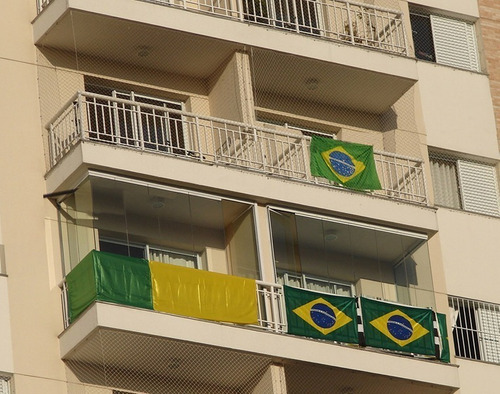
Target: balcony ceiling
(85, 35)
(95, 38)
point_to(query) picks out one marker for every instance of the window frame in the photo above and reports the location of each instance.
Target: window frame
(444, 31)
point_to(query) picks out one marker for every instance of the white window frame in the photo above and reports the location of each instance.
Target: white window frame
(176, 251)
(303, 278)
(445, 32)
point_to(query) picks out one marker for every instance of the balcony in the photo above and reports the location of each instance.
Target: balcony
(131, 125)
(349, 22)
(357, 53)
(114, 344)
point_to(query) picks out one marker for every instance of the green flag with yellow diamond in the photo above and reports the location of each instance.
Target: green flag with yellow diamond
(349, 164)
(398, 327)
(319, 315)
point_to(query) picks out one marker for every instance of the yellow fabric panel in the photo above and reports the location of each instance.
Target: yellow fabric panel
(202, 294)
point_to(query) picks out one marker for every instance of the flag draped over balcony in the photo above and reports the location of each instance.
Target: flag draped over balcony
(108, 277)
(202, 294)
(349, 164)
(163, 287)
(321, 316)
(397, 327)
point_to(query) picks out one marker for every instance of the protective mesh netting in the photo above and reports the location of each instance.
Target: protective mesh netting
(167, 91)
(115, 362)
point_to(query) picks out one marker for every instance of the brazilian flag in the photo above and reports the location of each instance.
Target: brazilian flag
(398, 327)
(443, 332)
(322, 316)
(349, 164)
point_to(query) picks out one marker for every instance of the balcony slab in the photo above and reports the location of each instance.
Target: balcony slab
(147, 331)
(237, 182)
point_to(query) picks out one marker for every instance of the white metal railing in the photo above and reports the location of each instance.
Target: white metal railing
(270, 304)
(352, 22)
(134, 125)
(271, 307)
(476, 329)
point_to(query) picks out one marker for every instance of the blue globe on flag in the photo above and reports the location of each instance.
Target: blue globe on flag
(400, 327)
(342, 163)
(323, 315)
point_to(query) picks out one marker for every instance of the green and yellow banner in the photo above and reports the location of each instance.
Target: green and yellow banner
(163, 287)
(349, 164)
(318, 315)
(398, 327)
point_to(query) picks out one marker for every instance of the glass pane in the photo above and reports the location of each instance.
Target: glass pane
(284, 237)
(240, 234)
(77, 220)
(379, 262)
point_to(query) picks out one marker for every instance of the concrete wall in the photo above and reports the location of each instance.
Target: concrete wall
(457, 110)
(470, 248)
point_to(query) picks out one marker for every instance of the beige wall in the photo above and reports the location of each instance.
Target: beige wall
(478, 377)
(465, 7)
(33, 304)
(6, 362)
(457, 110)
(470, 248)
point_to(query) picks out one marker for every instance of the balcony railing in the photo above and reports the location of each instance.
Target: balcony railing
(134, 125)
(355, 23)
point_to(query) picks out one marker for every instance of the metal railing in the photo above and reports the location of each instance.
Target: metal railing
(270, 306)
(476, 329)
(134, 125)
(345, 21)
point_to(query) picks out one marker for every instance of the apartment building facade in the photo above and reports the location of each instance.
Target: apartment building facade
(180, 132)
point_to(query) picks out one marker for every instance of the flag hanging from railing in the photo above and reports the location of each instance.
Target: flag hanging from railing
(203, 294)
(398, 327)
(349, 164)
(163, 287)
(321, 316)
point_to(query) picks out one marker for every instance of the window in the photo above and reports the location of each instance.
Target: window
(344, 257)
(129, 124)
(464, 184)
(158, 222)
(476, 329)
(163, 255)
(444, 40)
(316, 284)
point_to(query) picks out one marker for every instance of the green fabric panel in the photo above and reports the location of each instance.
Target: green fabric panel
(398, 327)
(443, 331)
(123, 280)
(323, 316)
(81, 286)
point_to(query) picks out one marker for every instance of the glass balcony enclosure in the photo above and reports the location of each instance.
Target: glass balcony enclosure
(170, 225)
(349, 258)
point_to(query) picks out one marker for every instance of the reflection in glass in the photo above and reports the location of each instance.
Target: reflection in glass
(150, 221)
(344, 257)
